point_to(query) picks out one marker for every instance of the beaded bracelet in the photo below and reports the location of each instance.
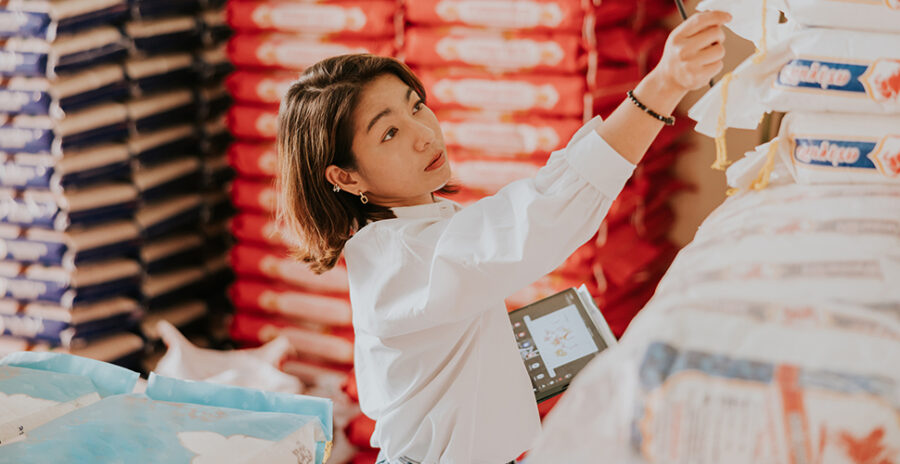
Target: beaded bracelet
(669, 121)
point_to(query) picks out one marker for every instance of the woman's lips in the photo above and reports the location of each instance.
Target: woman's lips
(437, 162)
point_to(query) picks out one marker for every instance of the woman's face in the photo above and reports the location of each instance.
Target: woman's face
(399, 147)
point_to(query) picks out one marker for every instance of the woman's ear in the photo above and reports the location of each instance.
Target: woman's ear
(347, 181)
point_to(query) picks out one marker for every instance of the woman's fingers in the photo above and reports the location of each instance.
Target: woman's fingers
(710, 54)
(701, 21)
(705, 38)
(708, 71)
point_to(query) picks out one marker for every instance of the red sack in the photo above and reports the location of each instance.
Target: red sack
(359, 431)
(259, 87)
(347, 18)
(627, 46)
(611, 12)
(550, 95)
(254, 160)
(579, 265)
(619, 312)
(546, 406)
(545, 15)
(626, 259)
(636, 13)
(350, 388)
(253, 261)
(507, 51)
(369, 456)
(294, 52)
(506, 135)
(253, 122)
(610, 86)
(328, 345)
(643, 193)
(259, 196)
(259, 229)
(292, 303)
(488, 175)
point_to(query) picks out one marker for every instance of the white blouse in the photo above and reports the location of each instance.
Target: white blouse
(437, 363)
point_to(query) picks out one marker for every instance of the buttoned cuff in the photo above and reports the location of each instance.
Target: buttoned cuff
(598, 162)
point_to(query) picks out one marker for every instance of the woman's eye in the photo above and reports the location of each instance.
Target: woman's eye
(390, 134)
(418, 106)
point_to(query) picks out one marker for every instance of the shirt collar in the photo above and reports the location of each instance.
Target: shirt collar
(441, 208)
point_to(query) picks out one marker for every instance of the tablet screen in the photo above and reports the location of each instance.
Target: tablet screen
(556, 339)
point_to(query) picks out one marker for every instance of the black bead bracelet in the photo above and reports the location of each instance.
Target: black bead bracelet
(669, 121)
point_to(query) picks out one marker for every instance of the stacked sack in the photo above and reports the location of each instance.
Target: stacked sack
(177, 155)
(69, 277)
(834, 68)
(774, 335)
(275, 294)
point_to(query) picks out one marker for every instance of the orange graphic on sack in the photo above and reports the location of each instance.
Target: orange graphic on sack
(869, 449)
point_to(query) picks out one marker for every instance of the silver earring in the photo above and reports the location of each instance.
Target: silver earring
(362, 198)
(336, 188)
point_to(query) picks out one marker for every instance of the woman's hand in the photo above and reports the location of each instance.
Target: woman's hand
(694, 52)
(693, 55)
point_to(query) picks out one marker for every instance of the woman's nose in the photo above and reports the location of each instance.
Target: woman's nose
(424, 137)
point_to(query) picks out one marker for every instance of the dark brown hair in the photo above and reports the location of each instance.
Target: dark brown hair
(315, 130)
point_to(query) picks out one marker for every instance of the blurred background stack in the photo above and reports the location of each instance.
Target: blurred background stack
(69, 275)
(178, 156)
(275, 294)
(113, 174)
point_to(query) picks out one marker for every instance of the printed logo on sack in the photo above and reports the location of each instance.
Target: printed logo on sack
(883, 156)
(834, 153)
(822, 75)
(887, 156)
(503, 14)
(882, 80)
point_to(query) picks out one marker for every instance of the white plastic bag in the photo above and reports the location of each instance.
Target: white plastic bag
(254, 368)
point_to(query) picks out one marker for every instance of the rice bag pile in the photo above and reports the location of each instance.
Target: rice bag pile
(59, 407)
(176, 71)
(834, 68)
(68, 277)
(774, 337)
(274, 295)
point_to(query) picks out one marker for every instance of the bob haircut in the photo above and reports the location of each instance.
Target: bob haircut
(315, 130)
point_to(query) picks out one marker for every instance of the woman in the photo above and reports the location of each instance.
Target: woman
(360, 156)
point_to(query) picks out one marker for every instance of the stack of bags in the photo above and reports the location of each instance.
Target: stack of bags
(170, 115)
(69, 277)
(835, 71)
(632, 248)
(774, 335)
(275, 294)
(213, 100)
(102, 172)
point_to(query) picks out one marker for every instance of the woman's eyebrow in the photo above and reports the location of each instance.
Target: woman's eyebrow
(378, 116)
(386, 111)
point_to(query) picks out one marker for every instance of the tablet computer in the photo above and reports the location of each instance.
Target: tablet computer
(557, 337)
